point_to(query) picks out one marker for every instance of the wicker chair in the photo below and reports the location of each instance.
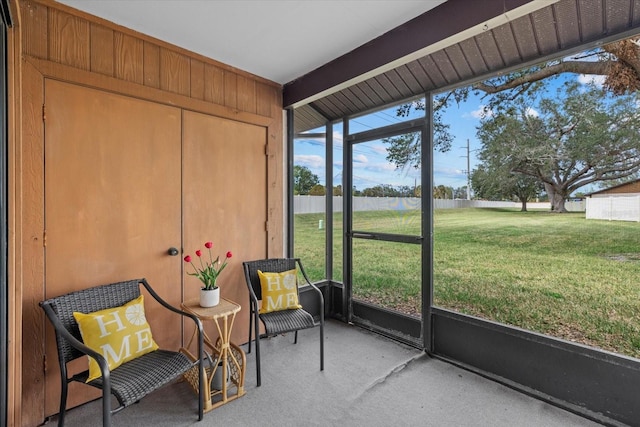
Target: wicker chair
(279, 322)
(132, 380)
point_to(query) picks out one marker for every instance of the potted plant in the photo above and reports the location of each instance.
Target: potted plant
(208, 273)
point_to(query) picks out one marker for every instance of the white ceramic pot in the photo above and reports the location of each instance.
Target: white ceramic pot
(216, 381)
(209, 298)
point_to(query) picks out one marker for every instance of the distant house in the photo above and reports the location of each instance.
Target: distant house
(627, 189)
(618, 203)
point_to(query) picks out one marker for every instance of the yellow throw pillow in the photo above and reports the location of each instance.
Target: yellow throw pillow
(120, 334)
(279, 291)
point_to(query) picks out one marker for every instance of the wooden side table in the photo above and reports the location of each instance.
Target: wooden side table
(227, 356)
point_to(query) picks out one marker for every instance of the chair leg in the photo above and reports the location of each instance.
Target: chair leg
(250, 329)
(295, 338)
(106, 407)
(201, 382)
(322, 346)
(257, 337)
(63, 399)
(106, 393)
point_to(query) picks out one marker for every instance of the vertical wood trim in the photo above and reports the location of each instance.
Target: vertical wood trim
(129, 58)
(231, 90)
(14, 207)
(197, 79)
(275, 178)
(102, 50)
(151, 65)
(264, 99)
(246, 90)
(174, 72)
(69, 40)
(35, 17)
(213, 84)
(30, 257)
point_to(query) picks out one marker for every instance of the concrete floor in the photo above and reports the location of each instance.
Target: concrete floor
(368, 381)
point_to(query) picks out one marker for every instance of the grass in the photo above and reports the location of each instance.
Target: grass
(559, 275)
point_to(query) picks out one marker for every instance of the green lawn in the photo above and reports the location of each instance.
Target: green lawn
(556, 274)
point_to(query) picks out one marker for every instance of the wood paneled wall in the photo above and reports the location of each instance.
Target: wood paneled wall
(64, 36)
(53, 41)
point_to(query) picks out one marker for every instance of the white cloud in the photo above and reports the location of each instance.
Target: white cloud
(481, 112)
(312, 161)
(379, 149)
(448, 171)
(382, 167)
(532, 112)
(597, 80)
(337, 139)
(360, 158)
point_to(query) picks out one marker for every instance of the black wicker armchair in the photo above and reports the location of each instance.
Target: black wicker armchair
(279, 322)
(132, 380)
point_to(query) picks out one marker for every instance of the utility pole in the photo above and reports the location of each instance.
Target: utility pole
(468, 172)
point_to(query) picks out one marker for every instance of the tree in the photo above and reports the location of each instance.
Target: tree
(337, 190)
(405, 191)
(460, 192)
(383, 190)
(317, 190)
(404, 150)
(618, 62)
(442, 192)
(303, 180)
(495, 182)
(576, 138)
(386, 190)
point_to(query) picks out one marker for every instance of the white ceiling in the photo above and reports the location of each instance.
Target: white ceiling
(280, 40)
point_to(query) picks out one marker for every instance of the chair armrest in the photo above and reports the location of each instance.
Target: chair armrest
(317, 289)
(172, 308)
(201, 352)
(320, 294)
(74, 342)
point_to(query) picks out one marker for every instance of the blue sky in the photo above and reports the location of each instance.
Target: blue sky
(370, 165)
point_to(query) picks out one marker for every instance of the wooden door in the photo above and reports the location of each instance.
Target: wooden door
(225, 201)
(112, 205)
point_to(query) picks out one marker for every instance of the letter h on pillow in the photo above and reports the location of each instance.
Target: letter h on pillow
(120, 334)
(279, 291)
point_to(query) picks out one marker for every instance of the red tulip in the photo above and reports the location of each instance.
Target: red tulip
(207, 271)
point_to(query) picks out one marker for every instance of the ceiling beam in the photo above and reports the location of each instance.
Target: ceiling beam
(450, 21)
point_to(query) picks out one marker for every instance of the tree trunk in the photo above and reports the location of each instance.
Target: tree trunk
(556, 198)
(524, 205)
(558, 204)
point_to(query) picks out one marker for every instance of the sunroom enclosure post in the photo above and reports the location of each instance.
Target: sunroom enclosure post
(290, 185)
(426, 194)
(347, 274)
(328, 217)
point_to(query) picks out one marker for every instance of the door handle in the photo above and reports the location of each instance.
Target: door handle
(361, 235)
(173, 252)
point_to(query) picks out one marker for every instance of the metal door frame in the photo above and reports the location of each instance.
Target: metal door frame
(389, 322)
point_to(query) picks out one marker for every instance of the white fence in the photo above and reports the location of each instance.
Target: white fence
(614, 208)
(316, 204)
